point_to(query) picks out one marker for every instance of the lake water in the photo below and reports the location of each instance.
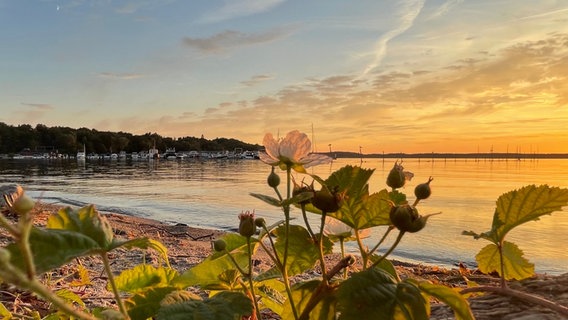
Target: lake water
(211, 194)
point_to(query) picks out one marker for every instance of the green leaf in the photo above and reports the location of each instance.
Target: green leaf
(273, 295)
(397, 197)
(304, 196)
(301, 294)
(268, 199)
(86, 221)
(302, 250)
(386, 266)
(449, 296)
(223, 306)
(69, 296)
(53, 248)
(350, 179)
(142, 277)
(179, 296)
(515, 266)
(526, 204)
(366, 211)
(146, 304)
(376, 294)
(144, 243)
(206, 274)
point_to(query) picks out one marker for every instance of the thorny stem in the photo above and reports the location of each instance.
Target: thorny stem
(520, 295)
(390, 228)
(286, 242)
(251, 283)
(503, 282)
(342, 246)
(390, 250)
(108, 271)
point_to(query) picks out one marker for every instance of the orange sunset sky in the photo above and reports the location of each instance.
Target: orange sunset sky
(394, 76)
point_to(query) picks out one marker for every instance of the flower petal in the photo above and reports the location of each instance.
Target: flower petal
(270, 145)
(266, 158)
(295, 146)
(313, 159)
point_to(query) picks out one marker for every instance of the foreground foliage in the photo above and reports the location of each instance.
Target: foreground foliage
(347, 210)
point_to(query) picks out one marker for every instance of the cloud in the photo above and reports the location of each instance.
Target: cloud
(254, 80)
(120, 76)
(240, 8)
(35, 111)
(409, 10)
(230, 39)
(444, 9)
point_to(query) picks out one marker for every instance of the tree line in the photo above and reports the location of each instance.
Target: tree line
(65, 140)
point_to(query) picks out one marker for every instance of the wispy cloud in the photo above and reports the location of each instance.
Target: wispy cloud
(120, 76)
(35, 111)
(408, 11)
(239, 8)
(444, 9)
(230, 39)
(254, 80)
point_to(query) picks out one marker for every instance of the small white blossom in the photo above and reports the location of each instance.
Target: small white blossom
(335, 229)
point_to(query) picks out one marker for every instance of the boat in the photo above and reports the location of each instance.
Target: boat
(82, 155)
(170, 154)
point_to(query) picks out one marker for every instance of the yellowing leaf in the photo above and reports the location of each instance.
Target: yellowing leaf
(86, 221)
(449, 296)
(142, 277)
(84, 278)
(515, 266)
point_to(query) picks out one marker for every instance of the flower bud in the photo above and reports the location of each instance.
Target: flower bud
(301, 189)
(273, 179)
(327, 201)
(423, 190)
(406, 218)
(23, 204)
(247, 227)
(259, 222)
(219, 245)
(396, 178)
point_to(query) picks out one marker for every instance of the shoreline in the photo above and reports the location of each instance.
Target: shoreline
(188, 246)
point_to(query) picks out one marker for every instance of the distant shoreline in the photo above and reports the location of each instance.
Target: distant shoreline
(433, 155)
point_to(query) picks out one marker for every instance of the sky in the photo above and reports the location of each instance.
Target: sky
(371, 76)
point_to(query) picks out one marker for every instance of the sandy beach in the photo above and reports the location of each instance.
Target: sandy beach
(188, 246)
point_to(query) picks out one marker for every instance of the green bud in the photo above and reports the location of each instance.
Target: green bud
(423, 190)
(396, 178)
(406, 218)
(273, 179)
(219, 245)
(327, 201)
(259, 222)
(247, 227)
(23, 204)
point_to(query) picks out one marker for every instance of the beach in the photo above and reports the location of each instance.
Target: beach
(187, 246)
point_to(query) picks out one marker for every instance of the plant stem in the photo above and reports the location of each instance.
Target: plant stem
(390, 228)
(362, 250)
(305, 216)
(320, 247)
(251, 283)
(390, 250)
(286, 243)
(108, 271)
(520, 295)
(24, 244)
(503, 282)
(342, 246)
(9, 226)
(244, 273)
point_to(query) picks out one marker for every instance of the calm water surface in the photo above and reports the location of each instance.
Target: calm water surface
(212, 193)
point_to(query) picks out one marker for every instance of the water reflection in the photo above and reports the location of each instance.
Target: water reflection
(213, 193)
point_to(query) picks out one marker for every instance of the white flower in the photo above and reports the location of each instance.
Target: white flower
(335, 229)
(291, 152)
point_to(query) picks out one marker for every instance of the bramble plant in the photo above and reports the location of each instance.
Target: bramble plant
(348, 211)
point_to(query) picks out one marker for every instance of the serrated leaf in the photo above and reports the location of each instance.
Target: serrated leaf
(223, 306)
(301, 294)
(86, 221)
(69, 296)
(142, 277)
(350, 179)
(206, 274)
(53, 248)
(520, 206)
(146, 304)
(366, 211)
(397, 197)
(144, 243)
(515, 266)
(377, 295)
(450, 297)
(267, 199)
(302, 250)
